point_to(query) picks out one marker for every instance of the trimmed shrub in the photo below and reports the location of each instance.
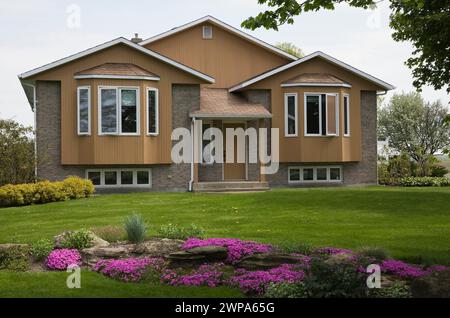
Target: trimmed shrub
(41, 248)
(135, 228)
(424, 182)
(62, 258)
(110, 233)
(173, 231)
(77, 240)
(15, 258)
(45, 191)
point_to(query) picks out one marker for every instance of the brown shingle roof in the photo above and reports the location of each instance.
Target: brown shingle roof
(218, 103)
(118, 69)
(316, 78)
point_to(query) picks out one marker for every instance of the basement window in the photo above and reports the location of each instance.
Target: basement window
(315, 174)
(207, 32)
(108, 178)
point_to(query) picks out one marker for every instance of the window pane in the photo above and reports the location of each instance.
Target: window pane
(109, 110)
(312, 115)
(292, 130)
(331, 115)
(335, 174)
(110, 177)
(294, 174)
(143, 177)
(83, 109)
(308, 174)
(321, 173)
(129, 109)
(152, 124)
(346, 115)
(94, 176)
(126, 177)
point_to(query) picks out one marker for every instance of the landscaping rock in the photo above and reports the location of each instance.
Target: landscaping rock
(93, 254)
(8, 246)
(96, 241)
(198, 255)
(158, 247)
(267, 261)
(436, 285)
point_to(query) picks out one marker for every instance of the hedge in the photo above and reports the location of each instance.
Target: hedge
(417, 181)
(45, 191)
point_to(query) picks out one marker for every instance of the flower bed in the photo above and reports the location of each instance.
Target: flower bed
(237, 249)
(128, 270)
(62, 258)
(205, 275)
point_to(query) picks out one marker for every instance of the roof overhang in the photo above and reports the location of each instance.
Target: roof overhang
(370, 78)
(225, 26)
(315, 85)
(124, 77)
(106, 45)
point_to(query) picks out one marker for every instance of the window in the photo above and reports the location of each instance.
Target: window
(119, 109)
(152, 111)
(84, 110)
(315, 174)
(321, 115)
(290, 113)
(346, 115)
(207, 32)
(120, 177)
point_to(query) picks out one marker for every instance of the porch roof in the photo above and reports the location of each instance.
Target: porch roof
(216, 103)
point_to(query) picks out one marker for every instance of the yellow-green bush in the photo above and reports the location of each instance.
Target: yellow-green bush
(45, 191)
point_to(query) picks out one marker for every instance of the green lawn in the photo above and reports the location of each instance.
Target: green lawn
(411, 223)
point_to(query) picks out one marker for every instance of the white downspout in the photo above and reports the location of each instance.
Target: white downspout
(191, 181)
(35, 127)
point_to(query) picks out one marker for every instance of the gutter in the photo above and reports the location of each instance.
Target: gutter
(33, 106)
(191, 181)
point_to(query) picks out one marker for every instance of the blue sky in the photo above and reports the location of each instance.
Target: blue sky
(38, 32)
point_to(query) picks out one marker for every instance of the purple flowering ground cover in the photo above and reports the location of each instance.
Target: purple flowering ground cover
(62, 258)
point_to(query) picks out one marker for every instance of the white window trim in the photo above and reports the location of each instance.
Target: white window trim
(119, 181)
(301, 168)
(203, 32)
(286, 114)
(119, 111)
(336, 110)
(88, 133)
(320, 114)
(156, 133)
(347, 119)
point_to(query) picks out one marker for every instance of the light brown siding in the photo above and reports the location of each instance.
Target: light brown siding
(323, 148)
(227, 57)
(118, 150)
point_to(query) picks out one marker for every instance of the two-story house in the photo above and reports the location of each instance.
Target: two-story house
(107, 113)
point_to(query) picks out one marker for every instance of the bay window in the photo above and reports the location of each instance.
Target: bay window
(321, 114)
(84, 110)
(152, 111)
(346, 115)
(291, 116)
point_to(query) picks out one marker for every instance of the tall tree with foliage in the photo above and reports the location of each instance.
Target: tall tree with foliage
(424, 23)
(16, 153)
(415, 127)
(290, 48)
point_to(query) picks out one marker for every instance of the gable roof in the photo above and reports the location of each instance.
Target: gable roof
(225, 26)
(315, 79)
(322, 55)
(117, 71)
(106, 45)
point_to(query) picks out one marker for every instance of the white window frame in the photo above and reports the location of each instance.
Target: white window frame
(119, 110)
(203, 32)
(301, 168)
(346, 119)
(336, 110)
(306, 113)
(286, 114)
(119, 177)
(88, 133)
(152, 89)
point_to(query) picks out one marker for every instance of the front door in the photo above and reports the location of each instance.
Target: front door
(235, 170)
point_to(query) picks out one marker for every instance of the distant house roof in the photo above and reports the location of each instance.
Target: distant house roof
(319, 54)
(117, 71)
(315, 79)
(106, 45)
(225, 26)
(219, 103)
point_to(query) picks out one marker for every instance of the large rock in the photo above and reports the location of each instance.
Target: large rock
(8, 246)
(198, 255)
(158, 247)
(60, 239)
(92, 255)
(268, 261)
(436, 285)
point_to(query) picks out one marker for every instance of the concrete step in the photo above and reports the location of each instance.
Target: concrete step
(231, 186)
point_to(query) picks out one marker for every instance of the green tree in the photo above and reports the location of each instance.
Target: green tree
(16, 153)
(290, 48)
(424, 23)
(415, 127)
